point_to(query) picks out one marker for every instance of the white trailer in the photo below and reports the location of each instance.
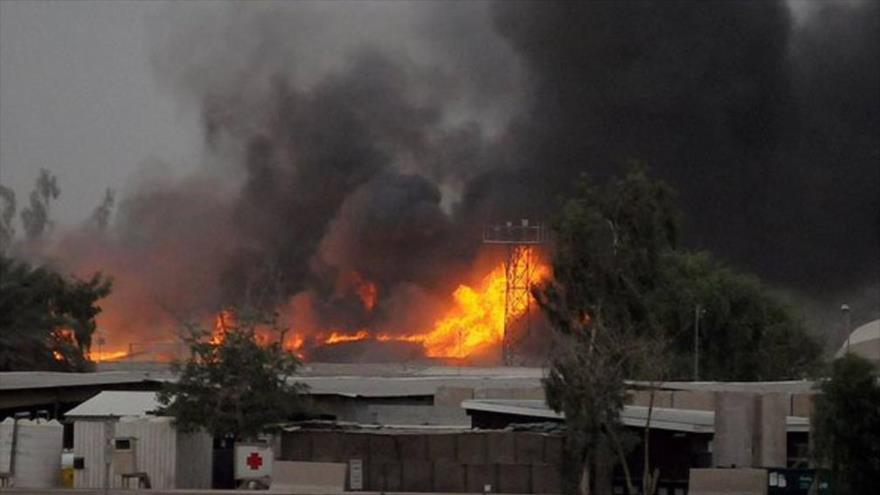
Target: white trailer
(116, 441)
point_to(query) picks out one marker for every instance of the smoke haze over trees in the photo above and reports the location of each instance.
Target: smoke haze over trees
(377, 139)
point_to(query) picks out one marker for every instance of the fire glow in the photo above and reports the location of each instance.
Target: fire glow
(474, 322)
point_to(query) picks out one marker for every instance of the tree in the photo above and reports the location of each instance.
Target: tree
(621, 285)
(7, 213)
(846, 425)
(100, 218)
(610, 243)
(235, 383)
(746, 333)
(35, 218)
(46, 320)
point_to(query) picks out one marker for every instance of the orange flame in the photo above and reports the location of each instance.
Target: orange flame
(367, 291)
(103, 356)
(476, 321)
(337, 337)
(294, 344)
(225, 321)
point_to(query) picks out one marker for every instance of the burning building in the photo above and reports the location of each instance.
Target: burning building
(348, 174)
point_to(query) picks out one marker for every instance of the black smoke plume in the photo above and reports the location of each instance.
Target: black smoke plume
(371, 141)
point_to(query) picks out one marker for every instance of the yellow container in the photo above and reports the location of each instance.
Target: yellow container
(67, 469)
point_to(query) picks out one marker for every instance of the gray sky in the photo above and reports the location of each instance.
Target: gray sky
(77, 96)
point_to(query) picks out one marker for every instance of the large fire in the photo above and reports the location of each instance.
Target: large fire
(475, 322)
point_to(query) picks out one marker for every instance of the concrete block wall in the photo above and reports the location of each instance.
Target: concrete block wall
(662, 398)
(735, 426)
(750, 429)
(511, 462)
(802, 404)
(727, 482)
(698, 400)
(799, 404)
(772, 438)
(531, 393)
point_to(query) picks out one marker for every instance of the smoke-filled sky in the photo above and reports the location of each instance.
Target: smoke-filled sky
(271, 151)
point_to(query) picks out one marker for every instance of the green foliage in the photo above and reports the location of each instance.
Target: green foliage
(234, 384)
(746, 334)
(610, 245)
(846, 425)
(617, 261)
(621, 287)
(46, 320)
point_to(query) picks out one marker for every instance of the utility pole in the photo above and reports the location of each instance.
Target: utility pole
(844, 308)
(697, 313)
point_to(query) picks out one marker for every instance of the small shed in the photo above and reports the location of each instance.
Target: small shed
(122, 429)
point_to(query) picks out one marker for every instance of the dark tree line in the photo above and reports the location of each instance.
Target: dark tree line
(623, 303)
(846, 425)
(617, 262)
(46, 319)
(36, 220)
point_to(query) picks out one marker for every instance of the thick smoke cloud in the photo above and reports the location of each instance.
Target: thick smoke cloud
(768, 130)
(361, 142)
(350, 130)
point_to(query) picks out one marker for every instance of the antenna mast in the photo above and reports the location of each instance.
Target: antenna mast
(519, 239)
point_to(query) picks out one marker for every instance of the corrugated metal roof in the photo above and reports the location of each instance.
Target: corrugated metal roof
(414, 369)
(684, 420)
(18, 380)
(116, 404)
(788, 386)
(408, 386)
(415, 382)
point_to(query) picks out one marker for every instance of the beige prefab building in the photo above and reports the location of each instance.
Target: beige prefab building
(117, 427)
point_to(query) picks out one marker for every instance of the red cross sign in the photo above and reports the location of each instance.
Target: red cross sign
(254, 461)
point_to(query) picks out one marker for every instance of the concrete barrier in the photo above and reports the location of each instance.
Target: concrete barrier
(413, 447)
(735, 435)
(452, 396)
(449, 476)
(529, 448)
(662, 398)
(510, 461)
(802, 404)
(308, 477)
(697, 400)
(500, 447)
(772, 439)
(470, 448)
(727, 482)
(441, 447)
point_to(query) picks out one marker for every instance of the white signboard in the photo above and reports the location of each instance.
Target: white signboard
(356, 474)
(252, 461)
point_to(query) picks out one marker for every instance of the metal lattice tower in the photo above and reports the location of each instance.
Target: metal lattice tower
(520, 240)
